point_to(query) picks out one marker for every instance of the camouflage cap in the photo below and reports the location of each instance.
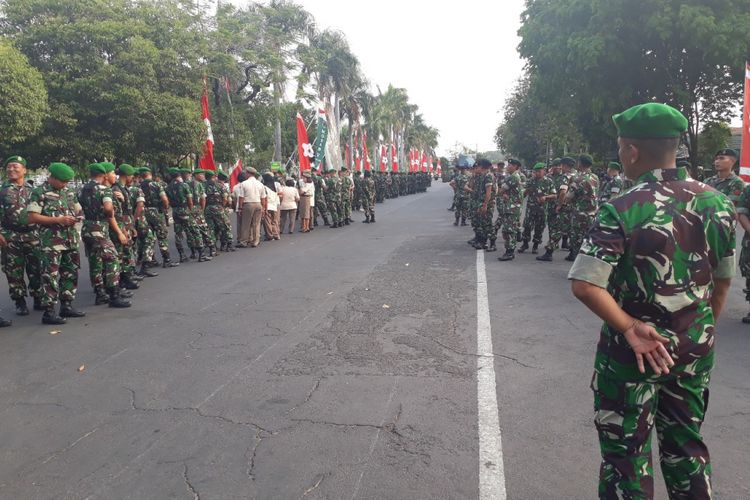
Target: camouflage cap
(61, 172)
(15, 159)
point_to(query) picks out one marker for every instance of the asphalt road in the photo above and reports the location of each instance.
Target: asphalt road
(339, 364)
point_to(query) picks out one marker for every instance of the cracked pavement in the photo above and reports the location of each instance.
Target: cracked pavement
(277, 373)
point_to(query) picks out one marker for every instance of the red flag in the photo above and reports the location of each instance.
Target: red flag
(394, 158)
(383, 157)
(745, 155)
(429, 164)
(357, 158)
(347, 155)
(206, 161)
(368, 167)
(411, 159)
(304, 149)
(234, 174)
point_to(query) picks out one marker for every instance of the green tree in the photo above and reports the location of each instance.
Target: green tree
(23, 103)
(713, 137)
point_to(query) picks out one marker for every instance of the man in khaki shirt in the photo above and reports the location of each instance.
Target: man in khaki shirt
(252, 204)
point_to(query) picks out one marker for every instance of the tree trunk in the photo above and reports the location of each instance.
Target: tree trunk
(333, 147)
(277, 130)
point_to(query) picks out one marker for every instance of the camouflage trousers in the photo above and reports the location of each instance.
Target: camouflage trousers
(334, 209)
(218, 223)
(19, 257)
(484, 227)
(185, 228)
(157, 225)
(509, 223)
(207, 235)
(626, 412)
(60, 276)
(346, 208)
(461, 208)
(580, 223)
(744, 265)
(368, 205)
(145, 242)
(559, 226)
(126, 252)
(104, 262)
(535, 221)
(320, 209)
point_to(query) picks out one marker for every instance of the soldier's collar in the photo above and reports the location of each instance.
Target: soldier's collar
(664, 174)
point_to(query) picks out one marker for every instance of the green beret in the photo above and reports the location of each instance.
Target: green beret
(97, 168)
(650, 120)
(108, 167)
(198, 171)
(144, 170)
(61, 172)
(16, 159)
(556, 161)
(539, 166)
(126, 169)
(173, 170)
(615, 165)
(727, 152)
(567, 160)
(586, 159)
(185, 170)
(210, 172)
(222, 175)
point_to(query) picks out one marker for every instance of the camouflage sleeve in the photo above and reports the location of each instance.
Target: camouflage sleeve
(601, 250)
(743, 205)
(106, 194)
(721, 237)
(140, 195)
(36, 199)
(736, 190)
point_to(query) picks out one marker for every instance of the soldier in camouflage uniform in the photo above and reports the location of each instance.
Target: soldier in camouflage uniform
(347, 188)
(333, 198)
(321, 207)
(460, 196)
(20, 241)
(54, 208)
(357, 201)
(180, 198)
(145, 236)
(95, 199)
(368, 198)
(156, 206)
(726, 181)
(614, 185)
(655, 267)
(217, 199)
(510, 199)
(558, 214)
(485, 197)
(124, 206)
(199, 219)
(539, 191)
(583, 197)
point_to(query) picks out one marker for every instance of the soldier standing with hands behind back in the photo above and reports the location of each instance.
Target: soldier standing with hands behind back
(656, 268)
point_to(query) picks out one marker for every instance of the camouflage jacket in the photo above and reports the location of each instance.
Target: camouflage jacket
(585, 190)
(123, 209)
(731, 186)
(92, 198)
(153, 192)
(657, 250)
(13, 217)
(368, 187)
(612, 188)
(510, 195)
(346, 187)
(215, 193)
(45, 200)
(537, 188)
(178, 193)
(333, 189)
(460, 181)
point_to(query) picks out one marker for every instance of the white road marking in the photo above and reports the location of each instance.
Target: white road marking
(491, 470)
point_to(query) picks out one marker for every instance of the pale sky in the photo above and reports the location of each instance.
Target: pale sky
(457, 60)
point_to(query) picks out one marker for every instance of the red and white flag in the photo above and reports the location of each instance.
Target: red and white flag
(394, 158)
(206, 161)
(305, 151)
(357, 158)
(383, 157)
(429, 164)
(745, 154)
(368, 167)
(234, 174)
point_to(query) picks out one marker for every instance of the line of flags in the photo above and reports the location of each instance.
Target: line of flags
(745, 154)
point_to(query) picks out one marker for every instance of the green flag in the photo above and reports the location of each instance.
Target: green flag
(320, 141)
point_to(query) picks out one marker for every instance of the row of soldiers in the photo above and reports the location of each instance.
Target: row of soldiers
(565, 200)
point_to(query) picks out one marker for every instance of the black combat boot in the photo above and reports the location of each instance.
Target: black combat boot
(535, 248)
(334, 225)
(167, 262)
(325, 221)
(126, 294)
(472, 241)
(455, 223)
(463, 222)
(38, 304)
(508, 255)
(745, 319)
(346, 222)
(524, 247)
(367, 220)
(315, 222)
(212, 251)
(101, 296)
(50, 318)
(546, 257)
(21, 308)
(571, 256)
(193, 254)
(68, 311)
(202, 256)
(115, 300)
(230, 247)
(147, 273)
(491, 247)
(5, 322)
(183, 257)
(564, 244)
(126, 282)
(372, 219)
(480, 245)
